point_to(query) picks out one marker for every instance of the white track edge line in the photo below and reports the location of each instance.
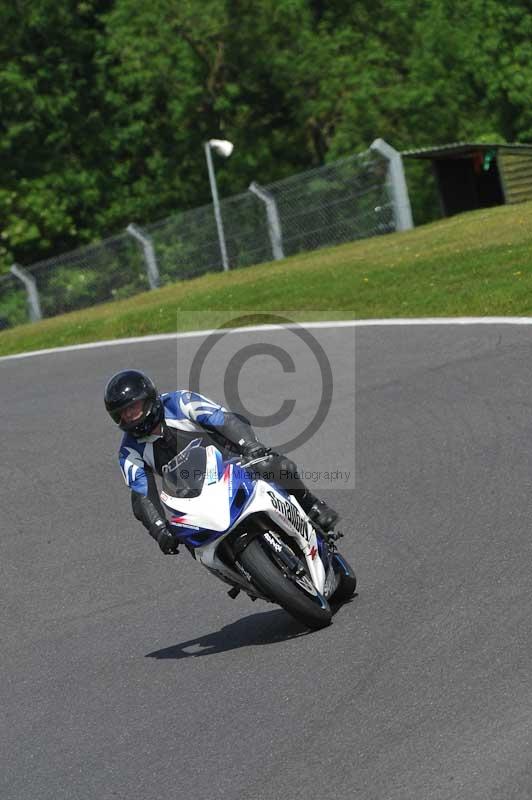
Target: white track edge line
(353, 323)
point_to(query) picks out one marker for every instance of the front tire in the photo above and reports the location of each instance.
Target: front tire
(275, 584)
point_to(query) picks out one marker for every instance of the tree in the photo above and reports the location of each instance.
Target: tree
(49, 123)
(105, 106)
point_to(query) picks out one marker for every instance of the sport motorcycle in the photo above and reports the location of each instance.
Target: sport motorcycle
(253, 535)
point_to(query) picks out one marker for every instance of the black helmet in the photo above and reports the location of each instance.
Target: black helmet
(124, 390)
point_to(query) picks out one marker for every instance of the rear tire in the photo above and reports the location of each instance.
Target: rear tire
(348, 581)
(273, 583)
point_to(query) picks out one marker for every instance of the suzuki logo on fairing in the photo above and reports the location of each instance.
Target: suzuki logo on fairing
(290, 512)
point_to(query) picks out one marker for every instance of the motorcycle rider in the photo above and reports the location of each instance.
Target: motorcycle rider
(158, 426)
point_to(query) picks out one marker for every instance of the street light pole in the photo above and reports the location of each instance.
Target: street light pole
(223, 148)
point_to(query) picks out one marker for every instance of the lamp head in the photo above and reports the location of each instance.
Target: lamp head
(223, 147)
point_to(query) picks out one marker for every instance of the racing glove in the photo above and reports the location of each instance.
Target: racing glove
(252, 450)
(166, 540)
(147, 513)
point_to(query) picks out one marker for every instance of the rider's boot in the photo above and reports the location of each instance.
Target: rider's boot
(319, 512)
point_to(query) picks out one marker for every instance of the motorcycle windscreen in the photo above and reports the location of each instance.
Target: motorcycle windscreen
(184, 475)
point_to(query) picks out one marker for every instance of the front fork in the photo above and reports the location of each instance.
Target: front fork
(281, 551)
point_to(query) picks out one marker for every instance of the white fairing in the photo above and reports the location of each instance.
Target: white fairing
(211, 511)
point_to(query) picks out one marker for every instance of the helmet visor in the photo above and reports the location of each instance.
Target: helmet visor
(132, 414)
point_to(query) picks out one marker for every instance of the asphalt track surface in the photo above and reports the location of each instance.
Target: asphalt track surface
(127, 674)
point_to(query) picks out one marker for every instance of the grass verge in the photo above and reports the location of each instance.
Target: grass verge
(475, 264)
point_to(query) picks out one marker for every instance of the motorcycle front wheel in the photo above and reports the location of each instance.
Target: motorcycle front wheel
(313, 611)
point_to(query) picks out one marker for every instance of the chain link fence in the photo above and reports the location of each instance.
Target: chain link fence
(347, 200)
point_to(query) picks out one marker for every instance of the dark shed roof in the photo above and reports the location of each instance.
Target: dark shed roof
(465, 148)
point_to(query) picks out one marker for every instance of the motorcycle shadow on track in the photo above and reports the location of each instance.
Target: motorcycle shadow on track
(269, 627)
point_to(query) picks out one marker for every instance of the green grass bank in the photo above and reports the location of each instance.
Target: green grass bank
(475, 264)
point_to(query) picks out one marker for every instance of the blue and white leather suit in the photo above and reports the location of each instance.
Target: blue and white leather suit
(185, 413)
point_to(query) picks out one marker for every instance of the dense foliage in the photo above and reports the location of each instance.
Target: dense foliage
(105, 104)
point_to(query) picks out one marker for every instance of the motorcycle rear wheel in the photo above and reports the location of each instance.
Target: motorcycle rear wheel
(281, 589)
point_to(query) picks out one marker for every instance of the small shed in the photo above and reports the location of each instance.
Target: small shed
(472, 175)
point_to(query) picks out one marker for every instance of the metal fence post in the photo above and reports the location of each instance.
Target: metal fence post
(274, 223)
(34, 305)
(152, 268)
(401, 200)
